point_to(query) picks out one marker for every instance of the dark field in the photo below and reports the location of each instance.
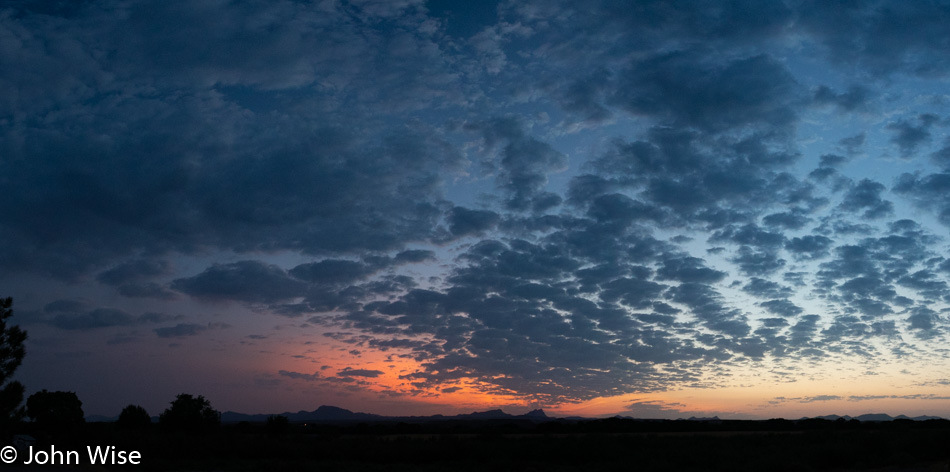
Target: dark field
(602, 445)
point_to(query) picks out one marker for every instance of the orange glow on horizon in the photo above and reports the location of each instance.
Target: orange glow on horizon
(365, 379)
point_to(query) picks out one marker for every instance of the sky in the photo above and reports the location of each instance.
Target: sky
(659, 209)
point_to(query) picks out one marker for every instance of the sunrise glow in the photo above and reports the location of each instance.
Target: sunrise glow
(644, 209)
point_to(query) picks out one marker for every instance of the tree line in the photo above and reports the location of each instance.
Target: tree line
(62, 411)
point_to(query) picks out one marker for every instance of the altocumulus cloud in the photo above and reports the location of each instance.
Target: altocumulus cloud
(553, 201)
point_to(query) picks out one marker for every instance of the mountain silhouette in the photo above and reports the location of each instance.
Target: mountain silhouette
(872, 417)
(333, 414)
(324, 413)
(535, 414)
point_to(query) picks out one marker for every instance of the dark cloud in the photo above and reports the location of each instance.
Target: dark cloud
(413, 256)
(697, 178)
(909, 137)
(925, 322)
(766, 288)
(98, 318)
(931, 191)
(832, 160)
(864, 277)
(844, 327)
(852, 144)
(182, 330)
(300, 376)
(463, 221)
(583, 188)
(66, 305)
(631, 292)
(749, 235)
(521, 308)
(774, 322)
(133, 271)
(855, 99)
(927, 283)
(653, 25)
(682, 89)
(146, 290)
(689, 269)
(786, 220)
(803, 334)
(330, 271)
(707, 305)
(782, 307)
(757, 263)
(62, 316)
(883, 38)
(516, 199)
(918, 396)
(850, 261)
(350, 372)
(866, 195)
(820, 398)
(823, 174)
(585, 96)
(524, 164)
(845, 227)
(152, 317)
(861, 287)
(619, 209)
(247, 281)
(941, 157)
(204, 159)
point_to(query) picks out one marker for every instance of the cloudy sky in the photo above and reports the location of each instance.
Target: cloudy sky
(657, 209)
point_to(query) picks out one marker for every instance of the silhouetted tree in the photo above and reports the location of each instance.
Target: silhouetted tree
(188, 413)
(134, 417)
(277, 425)
(11, 355)
(55, 410)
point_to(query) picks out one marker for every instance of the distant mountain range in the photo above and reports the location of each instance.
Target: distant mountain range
(332, 414)
(877, 417)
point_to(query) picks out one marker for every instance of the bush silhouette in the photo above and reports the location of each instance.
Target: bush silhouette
(55, 410)
(134, 417)
(189, 413)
